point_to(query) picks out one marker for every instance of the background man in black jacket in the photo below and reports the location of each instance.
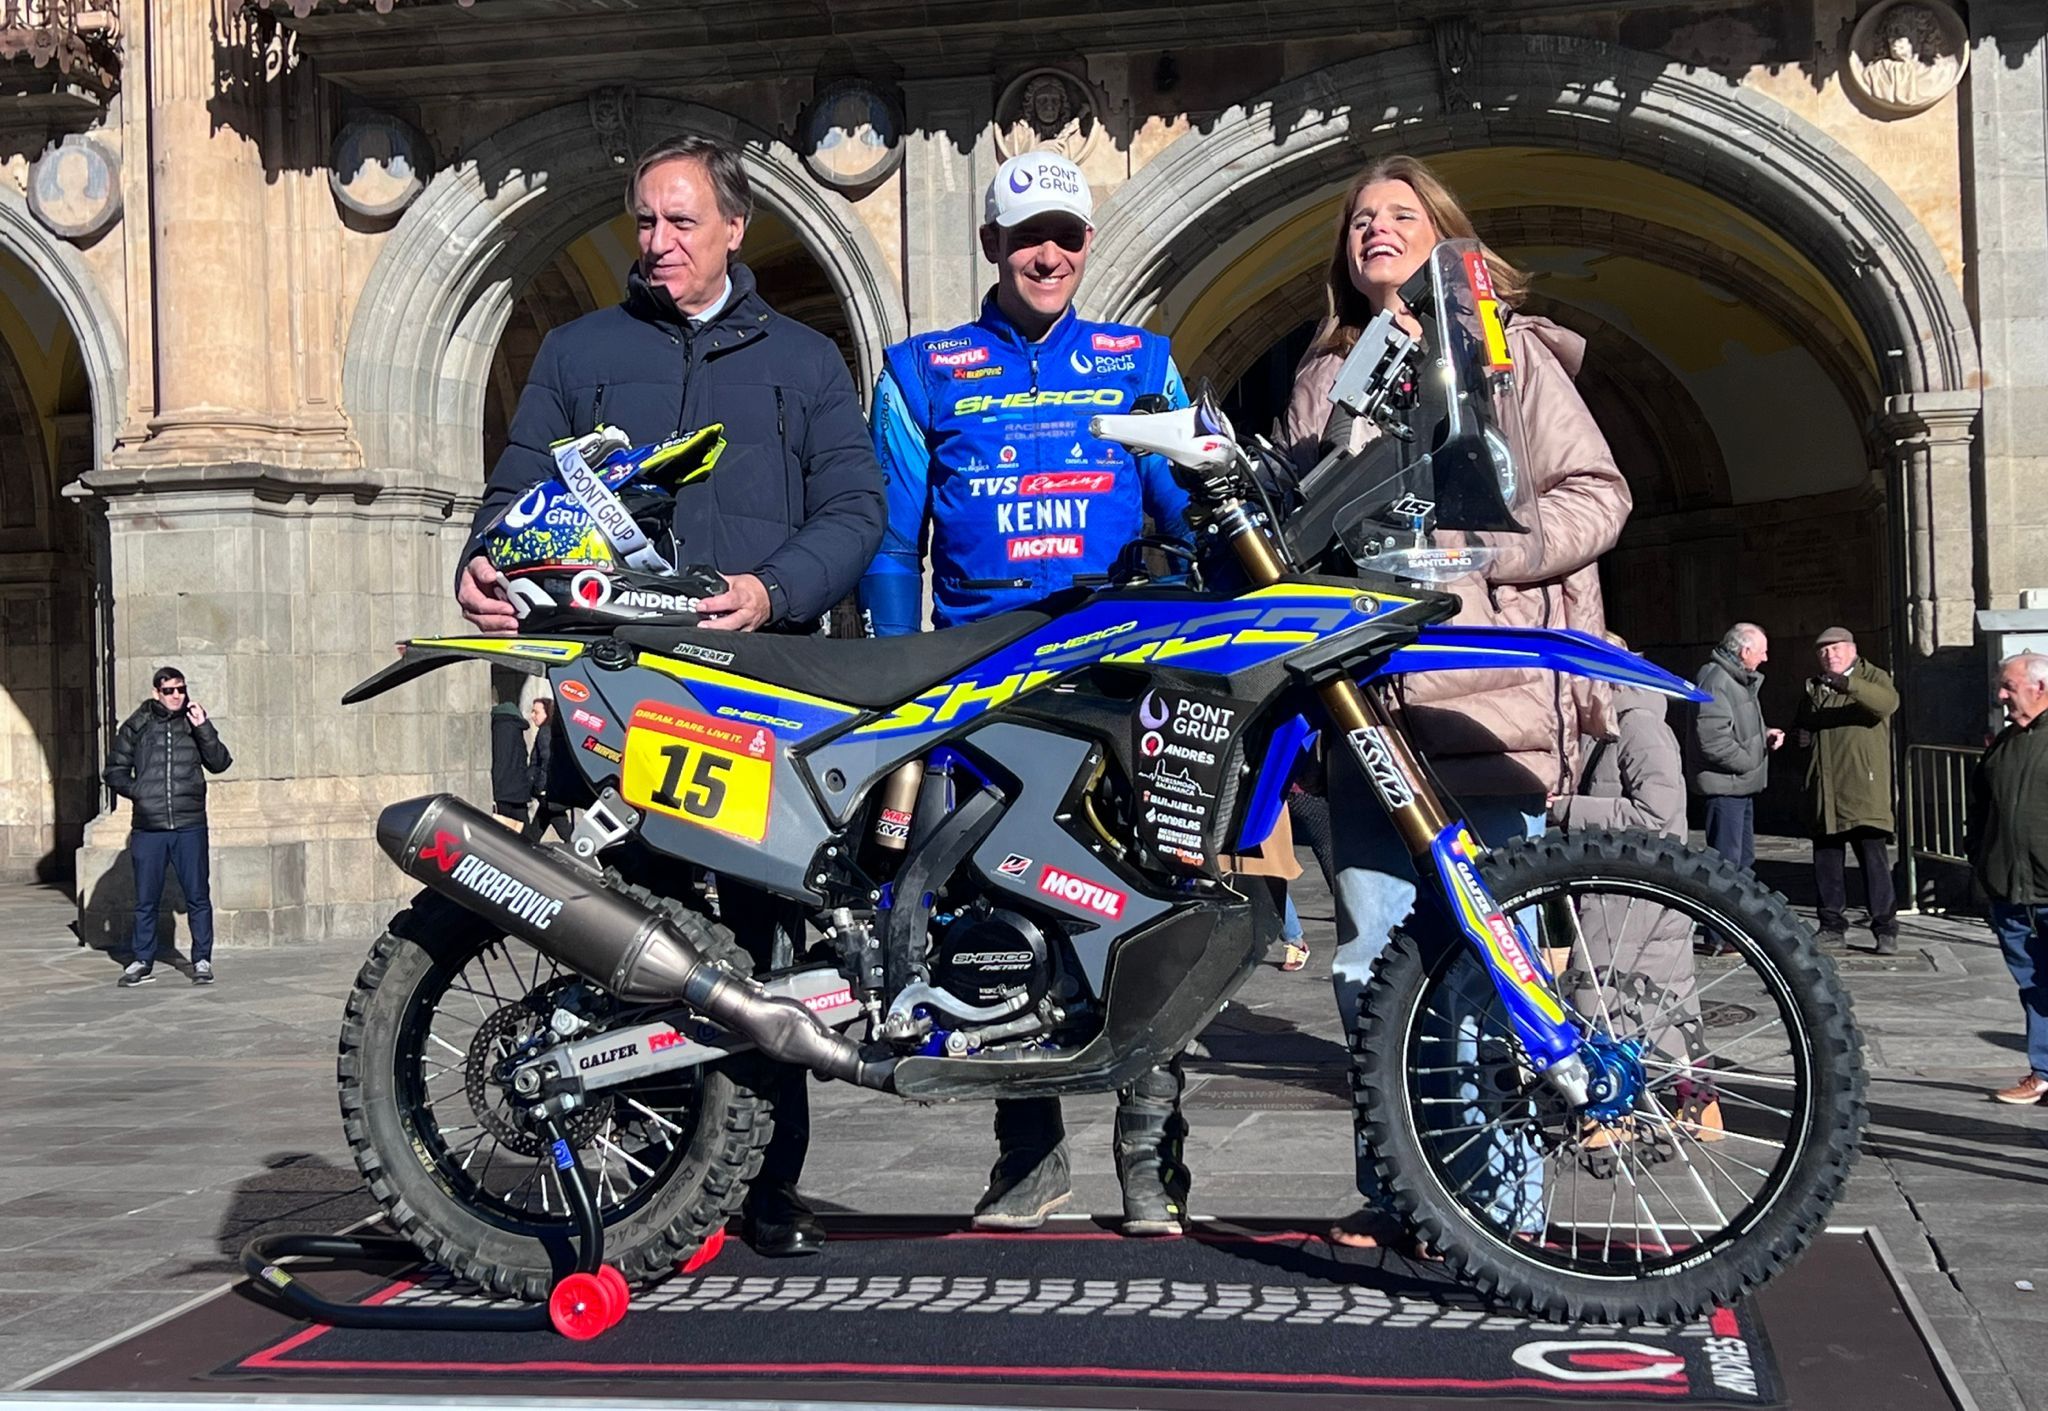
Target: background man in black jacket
(2009, 852)
(791, 516)
(158, 762)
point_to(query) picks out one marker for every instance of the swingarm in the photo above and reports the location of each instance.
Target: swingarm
(672, 1041)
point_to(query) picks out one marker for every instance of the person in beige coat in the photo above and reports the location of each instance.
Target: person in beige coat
(1502, 741)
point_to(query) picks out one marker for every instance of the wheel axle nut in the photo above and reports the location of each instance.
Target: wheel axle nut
(526, 1082)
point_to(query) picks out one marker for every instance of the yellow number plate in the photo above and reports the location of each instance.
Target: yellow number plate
(713, 773)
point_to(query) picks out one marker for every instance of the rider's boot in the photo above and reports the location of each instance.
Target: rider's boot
(1030, 1179)
(1150, 1133)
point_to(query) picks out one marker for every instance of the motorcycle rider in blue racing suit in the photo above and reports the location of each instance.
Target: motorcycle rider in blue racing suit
(982, 432)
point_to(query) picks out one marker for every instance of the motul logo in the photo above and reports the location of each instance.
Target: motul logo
(536, 909)
(1071, 482)
(966, 357)
(1079, 891)
(1045, 546)
(1115, 343)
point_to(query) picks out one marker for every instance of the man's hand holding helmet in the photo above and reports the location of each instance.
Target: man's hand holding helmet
(485, 598)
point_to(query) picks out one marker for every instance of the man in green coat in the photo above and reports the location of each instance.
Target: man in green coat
(2009, 852)
(1845, 719)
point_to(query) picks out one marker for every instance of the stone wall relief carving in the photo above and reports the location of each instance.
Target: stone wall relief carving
(74, 188)
(611, 116)
(379, 166)
(1049, 110)
(1907, 55)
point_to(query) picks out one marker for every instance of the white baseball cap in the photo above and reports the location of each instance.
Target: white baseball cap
(1036, 184)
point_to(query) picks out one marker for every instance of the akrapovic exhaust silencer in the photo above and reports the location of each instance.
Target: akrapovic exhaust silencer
(570, 916)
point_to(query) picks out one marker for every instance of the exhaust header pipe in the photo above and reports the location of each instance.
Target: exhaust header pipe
(571, 917)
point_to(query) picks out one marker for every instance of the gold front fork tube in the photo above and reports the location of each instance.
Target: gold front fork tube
(1379, 746)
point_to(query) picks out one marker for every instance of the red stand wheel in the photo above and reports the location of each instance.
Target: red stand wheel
(704, 1253)
(622, 1293)
(581, 1307)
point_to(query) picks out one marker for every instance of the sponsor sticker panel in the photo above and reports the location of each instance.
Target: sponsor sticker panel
(1181, 740)
(708, 772)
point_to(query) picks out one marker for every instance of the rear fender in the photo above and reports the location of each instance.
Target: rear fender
(1453, 648)
(532, 655)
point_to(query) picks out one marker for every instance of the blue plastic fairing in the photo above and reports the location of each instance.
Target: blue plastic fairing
(1269, 795)
(1454, 648)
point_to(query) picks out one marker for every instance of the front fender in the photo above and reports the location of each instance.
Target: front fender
(1449, 647)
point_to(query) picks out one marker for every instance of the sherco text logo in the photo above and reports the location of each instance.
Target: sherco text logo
(536, 909)
(1047, 397)
(1079, 891)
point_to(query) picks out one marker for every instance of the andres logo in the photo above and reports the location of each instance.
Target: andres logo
(502, 889)
(1079, 891)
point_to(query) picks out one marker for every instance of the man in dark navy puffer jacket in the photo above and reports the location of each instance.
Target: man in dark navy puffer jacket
(791, 516)
(793, 513)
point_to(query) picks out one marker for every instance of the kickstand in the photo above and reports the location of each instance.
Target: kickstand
(586, 1302)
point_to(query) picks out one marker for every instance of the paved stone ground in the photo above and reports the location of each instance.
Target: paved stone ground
(146, 1134)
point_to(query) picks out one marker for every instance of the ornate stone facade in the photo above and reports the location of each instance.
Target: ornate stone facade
(254, 402)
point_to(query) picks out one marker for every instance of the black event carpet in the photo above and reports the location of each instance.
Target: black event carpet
(925, 1313)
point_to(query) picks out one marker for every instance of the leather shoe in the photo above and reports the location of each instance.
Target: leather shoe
(780, 1224)
(2027, 1091)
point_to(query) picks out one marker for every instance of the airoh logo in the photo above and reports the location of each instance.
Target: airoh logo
(1079, 891)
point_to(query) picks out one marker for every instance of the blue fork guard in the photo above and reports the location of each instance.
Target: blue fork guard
(1518, 972)
(1454, 648)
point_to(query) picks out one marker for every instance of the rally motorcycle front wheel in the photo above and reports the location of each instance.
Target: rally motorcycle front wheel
(1733, 1108)
(441, 1002)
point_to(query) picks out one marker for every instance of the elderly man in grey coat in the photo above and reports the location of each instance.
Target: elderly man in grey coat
(1730, 747)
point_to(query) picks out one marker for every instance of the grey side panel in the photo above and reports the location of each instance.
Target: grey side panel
(796, 829)
(1060, 873)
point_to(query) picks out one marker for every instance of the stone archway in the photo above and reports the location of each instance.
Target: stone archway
(1308, 134)
(441, 292)
(1278, 153)
(53, 587)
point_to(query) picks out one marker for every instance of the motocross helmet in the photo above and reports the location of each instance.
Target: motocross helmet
(594, 546)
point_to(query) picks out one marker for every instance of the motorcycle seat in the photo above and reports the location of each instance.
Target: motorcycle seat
(874, 673)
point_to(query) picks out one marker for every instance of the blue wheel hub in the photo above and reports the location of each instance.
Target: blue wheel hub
(1614, 1071)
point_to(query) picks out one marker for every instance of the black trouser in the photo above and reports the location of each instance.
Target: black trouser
(755, 918)
(1731, 827)
(1830, 877)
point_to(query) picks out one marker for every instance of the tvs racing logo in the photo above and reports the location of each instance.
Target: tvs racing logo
(536, 909)
(1079, 891)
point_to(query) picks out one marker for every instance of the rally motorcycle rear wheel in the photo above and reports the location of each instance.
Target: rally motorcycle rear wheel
(1736, 1099)
(438, 1005)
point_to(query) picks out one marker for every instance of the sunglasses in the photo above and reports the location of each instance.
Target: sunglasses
(170, 690)
(1070, 236)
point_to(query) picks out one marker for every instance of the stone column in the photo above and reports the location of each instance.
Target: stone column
(1933, 435)
(948, 160)
(2006, 182)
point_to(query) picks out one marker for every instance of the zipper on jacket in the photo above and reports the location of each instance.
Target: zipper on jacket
(688, 343)
(170, 799)
(597, 408)
(781, 434)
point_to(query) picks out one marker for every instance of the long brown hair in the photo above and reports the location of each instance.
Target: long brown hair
(1346, 311)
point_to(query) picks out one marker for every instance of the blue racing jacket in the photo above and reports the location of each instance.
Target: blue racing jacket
(984, 437)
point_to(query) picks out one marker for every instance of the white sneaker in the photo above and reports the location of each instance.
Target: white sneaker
(202, 972)
(137, 973)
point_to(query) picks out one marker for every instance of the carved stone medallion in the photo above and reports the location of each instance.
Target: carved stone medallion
(1907, 55)
(1049, 110)
(379, 166)
(852, 136)
(75, 189)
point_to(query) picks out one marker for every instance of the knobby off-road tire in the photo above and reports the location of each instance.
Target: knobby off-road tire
(1820, 1136)
(645, 1234)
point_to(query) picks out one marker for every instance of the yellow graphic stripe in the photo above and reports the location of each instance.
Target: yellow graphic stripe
(711, 676)
(534, 648)
(1319, 590)
(1475, 922)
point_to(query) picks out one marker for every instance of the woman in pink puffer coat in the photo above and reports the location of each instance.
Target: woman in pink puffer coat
(1502, 741)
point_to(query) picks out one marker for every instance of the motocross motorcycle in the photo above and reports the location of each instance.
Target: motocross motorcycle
(1007, 837)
